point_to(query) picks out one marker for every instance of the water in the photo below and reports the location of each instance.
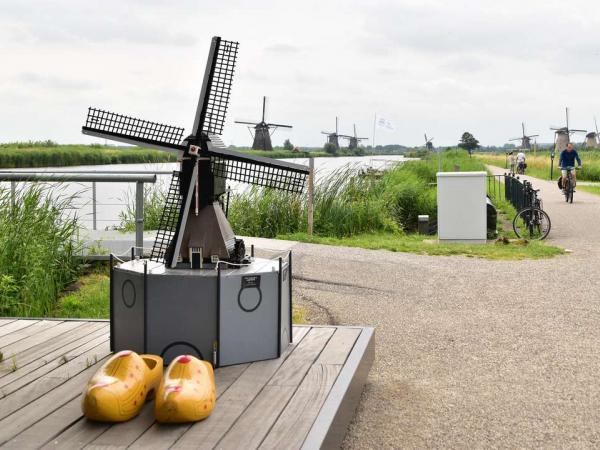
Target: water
(112, 198)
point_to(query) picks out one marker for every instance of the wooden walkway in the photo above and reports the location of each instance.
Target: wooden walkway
(305, 399)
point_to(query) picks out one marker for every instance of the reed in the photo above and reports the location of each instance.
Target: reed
(38, 242)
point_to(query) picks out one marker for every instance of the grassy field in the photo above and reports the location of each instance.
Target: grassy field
(539, 165)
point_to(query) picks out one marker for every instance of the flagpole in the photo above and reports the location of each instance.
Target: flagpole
(374, 126)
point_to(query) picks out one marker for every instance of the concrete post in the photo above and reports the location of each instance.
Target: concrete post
(94, 216)
(311, 193)
(139, 218)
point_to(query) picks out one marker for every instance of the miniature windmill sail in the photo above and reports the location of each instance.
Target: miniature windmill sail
(192, 218)
(353, 141)
(262, 131)
(428, 143)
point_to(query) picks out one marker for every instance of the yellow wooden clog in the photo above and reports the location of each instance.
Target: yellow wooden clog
(118, 390)
(187, 392)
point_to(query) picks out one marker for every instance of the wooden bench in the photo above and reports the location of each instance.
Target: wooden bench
(305, 399)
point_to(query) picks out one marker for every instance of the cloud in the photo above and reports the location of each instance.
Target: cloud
(53, 82)
(286, 49)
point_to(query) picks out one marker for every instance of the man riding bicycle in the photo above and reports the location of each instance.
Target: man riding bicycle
(567, 161)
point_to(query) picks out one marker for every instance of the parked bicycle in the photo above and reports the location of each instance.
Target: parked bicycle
(532, 222)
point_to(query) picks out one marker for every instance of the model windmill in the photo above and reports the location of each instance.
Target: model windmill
(591, 139)
(333, 137)
(353, 141)
(428, 143)
(563, 134)
(525, 139)
(192, 218)
(262, 131)
(199, 293)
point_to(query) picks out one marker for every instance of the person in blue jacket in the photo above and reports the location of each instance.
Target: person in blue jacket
(567, 159)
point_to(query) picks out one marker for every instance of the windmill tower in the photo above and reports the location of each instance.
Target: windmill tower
(591, 139)
(525, 140)
(262, 131)
(199, 293)
(353, 141)
(563, 134)
(428, 143)
(333, 137)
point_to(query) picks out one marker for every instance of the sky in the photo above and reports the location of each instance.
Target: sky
(427, 66)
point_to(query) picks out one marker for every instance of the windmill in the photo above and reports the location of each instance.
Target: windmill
(563, 134)
(353, 141)
(262, 131)
(181, 300)
(332, 137)
(525, 140)
(591, 138)
(428, 143)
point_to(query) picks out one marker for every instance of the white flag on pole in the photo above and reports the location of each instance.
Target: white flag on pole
(382, 122)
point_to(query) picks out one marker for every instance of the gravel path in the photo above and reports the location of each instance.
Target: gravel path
(472, 353)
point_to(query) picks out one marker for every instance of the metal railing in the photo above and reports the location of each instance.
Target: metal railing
(519, 193)
(137, 177)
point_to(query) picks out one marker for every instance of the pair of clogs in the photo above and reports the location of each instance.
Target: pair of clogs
(119, 389)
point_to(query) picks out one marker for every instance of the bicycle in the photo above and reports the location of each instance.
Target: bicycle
(532, 222)
(521, 168)
(568, 185)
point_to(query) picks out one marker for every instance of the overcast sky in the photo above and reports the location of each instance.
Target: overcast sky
(428, 66)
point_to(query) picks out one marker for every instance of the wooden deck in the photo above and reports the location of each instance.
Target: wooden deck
(305, 399)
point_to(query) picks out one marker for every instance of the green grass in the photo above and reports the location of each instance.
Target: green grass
(90, 301)
(538, 165)
(427, 245)
(38, 242)
(592, 189)
(35, 154)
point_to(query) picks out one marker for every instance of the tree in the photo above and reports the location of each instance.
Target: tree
(287, 145)
(330, 148)
(468, 142)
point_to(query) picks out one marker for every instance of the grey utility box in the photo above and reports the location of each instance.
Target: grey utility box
(461, 206)
(225, 316)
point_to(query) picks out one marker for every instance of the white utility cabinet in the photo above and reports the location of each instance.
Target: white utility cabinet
(461, 206)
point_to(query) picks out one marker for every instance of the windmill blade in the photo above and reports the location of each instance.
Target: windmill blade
(246, 123)
(129, 130)
(523, 126)
(278, 125)
(326, 132)
(264, 107)
(516, 139)
(532, 135)
(336, 125)
(596, 125)
(216, 87)
(258, 171)
(577, 131)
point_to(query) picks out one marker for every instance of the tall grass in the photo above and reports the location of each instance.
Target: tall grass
(154, 201)
(37, 246)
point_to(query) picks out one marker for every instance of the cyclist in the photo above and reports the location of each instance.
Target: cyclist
(567, 159)
(521, 163)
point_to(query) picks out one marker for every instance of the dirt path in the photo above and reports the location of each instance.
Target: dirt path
(472, 353)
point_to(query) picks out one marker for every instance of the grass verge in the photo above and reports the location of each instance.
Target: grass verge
(427, 245)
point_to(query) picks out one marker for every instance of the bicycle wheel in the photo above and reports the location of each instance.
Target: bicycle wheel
(532, 224)
(571, 190)
(567, 189)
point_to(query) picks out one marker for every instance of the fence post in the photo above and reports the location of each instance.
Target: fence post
(311, 193)
(139, 218)
(13, 194)
(94, 217)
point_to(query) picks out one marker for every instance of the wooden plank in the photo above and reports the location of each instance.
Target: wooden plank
(25, 332)
(37, 390)
(6, 321)
(252, 427)
(162, 437)
(35, 411)
(241, 394)
(124, 434)
(15, 325)
(33, 371)
(295, 421)
(52, 339)
(331, 424)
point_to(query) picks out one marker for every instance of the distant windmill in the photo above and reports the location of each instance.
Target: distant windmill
(353, 141)
(525, 140)
(563, 134)
(332, 137)
(591, 139)
(262, 131)
(428, 143)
